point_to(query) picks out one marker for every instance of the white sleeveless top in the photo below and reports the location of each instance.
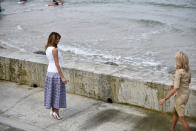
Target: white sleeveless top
(51, 65)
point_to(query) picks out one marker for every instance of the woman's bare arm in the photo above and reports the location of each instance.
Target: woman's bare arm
(56, 60)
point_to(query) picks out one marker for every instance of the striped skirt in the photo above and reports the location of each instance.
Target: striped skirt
(54, 92)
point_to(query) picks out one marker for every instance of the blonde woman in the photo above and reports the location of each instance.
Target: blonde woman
(55, 92)
(182, 79)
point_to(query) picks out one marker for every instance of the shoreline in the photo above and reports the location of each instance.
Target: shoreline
(98, 81)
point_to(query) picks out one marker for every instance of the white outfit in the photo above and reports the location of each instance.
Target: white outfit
(51, 65)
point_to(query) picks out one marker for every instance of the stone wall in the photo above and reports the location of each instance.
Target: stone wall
(96, 81)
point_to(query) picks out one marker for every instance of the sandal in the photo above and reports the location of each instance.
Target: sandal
(56, 116)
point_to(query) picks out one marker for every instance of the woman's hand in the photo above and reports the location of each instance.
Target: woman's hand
(171, 87)
(64, 80)
(172, 92)
(162, 101)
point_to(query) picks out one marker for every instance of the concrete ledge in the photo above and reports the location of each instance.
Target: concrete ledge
(96, 81)
(22, 107)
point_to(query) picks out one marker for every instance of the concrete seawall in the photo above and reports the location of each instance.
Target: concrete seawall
(98, 81)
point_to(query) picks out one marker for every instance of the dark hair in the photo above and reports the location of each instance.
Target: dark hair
(52, 39)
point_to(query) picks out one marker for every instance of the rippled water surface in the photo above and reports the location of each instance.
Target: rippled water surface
(137, 34)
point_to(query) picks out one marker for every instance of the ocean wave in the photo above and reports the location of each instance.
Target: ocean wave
(11, 45)
(172, 5)
(98, 1)
(14, 11)
(148, 22)
(86, 52)
(155, 3)
(104, 56)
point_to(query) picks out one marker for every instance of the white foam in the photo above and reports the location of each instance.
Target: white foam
(102, 56)
(21, 2)
(19, 27)
(12, 46)
(82, 51)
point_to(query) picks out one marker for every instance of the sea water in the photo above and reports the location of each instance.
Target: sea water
(143, 35)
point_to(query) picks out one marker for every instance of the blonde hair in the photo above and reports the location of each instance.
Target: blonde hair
(182, 61)
(52, 39)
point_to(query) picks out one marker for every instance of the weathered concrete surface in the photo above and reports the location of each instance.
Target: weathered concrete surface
(97, 81)
(21, 107)
(4, 127)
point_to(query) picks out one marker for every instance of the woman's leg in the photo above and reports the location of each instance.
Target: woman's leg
(185, 125)
(61, 2)
(174, 120)
(52, 4)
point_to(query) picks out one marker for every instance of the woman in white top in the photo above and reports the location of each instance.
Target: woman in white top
(55, 91)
